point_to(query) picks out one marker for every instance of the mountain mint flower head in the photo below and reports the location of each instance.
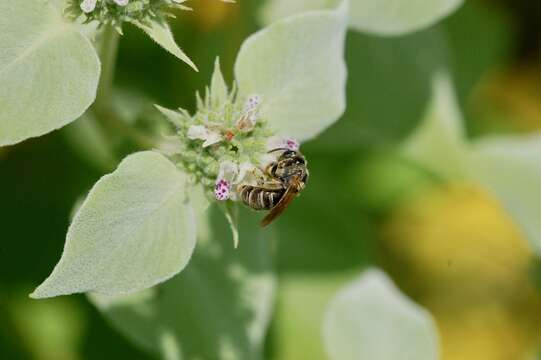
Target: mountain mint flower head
(226, 142)
(115, 12)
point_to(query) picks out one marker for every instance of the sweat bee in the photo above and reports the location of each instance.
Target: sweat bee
(286, 178)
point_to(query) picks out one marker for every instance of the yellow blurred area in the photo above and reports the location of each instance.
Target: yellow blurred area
(457, 252)
(211, 14)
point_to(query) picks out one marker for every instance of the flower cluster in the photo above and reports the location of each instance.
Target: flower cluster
(226, 143)
(115, 12)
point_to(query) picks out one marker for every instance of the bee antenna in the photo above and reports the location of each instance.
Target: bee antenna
(278, 149)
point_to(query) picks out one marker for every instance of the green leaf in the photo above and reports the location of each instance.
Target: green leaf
(218, 87)
(439, 142)
(398, 17)
(297, 67)
(134, 230)
(372, 320)
(381, 17)
(218, 308)
(161, 34)
(49, 71)
(510, 167)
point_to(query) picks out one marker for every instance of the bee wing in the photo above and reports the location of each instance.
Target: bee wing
(284, 202)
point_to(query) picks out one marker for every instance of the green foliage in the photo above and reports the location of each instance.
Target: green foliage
(218, 308)
(134, 230)
(296, 65)
(49, 71)
(371, 319)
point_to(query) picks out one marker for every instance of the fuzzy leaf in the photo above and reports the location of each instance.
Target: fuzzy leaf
(381, 17)
(134, 230)
(49, 71)
(297, 67)
(161, 34)
(218, 308)
(439, 142)
(510, 167)
(398, 17)
(371, 320)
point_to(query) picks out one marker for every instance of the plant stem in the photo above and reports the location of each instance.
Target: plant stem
(103, 106)
(108, 54)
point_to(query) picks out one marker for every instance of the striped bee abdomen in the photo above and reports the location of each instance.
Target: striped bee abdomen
(260, 198)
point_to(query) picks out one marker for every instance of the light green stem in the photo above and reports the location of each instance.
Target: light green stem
(103, 105)
(108, 53)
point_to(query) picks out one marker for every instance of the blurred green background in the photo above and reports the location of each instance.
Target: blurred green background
(448, 246)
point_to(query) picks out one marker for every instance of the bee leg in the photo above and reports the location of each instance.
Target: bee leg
(270, 170)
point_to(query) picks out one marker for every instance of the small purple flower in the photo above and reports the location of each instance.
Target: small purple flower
(292, 144)
(222, 191)
(278, 142)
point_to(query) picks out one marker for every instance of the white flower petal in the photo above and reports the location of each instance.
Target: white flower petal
(212, 138)
(88, 6)
(228, 171)
(252, 103)
(247, 122)
(121, 2)
(200, 132)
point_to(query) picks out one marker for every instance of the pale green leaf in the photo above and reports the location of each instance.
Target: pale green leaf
(381, 17)
(510, 167)
(218, 87)
(398, 17)
(161, 34)
(134, 230)
(372, 320)
(297, 67)
(218, 308)
(49, 71)
(439, 142)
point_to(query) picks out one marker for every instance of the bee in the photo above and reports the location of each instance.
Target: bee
(285, 179)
